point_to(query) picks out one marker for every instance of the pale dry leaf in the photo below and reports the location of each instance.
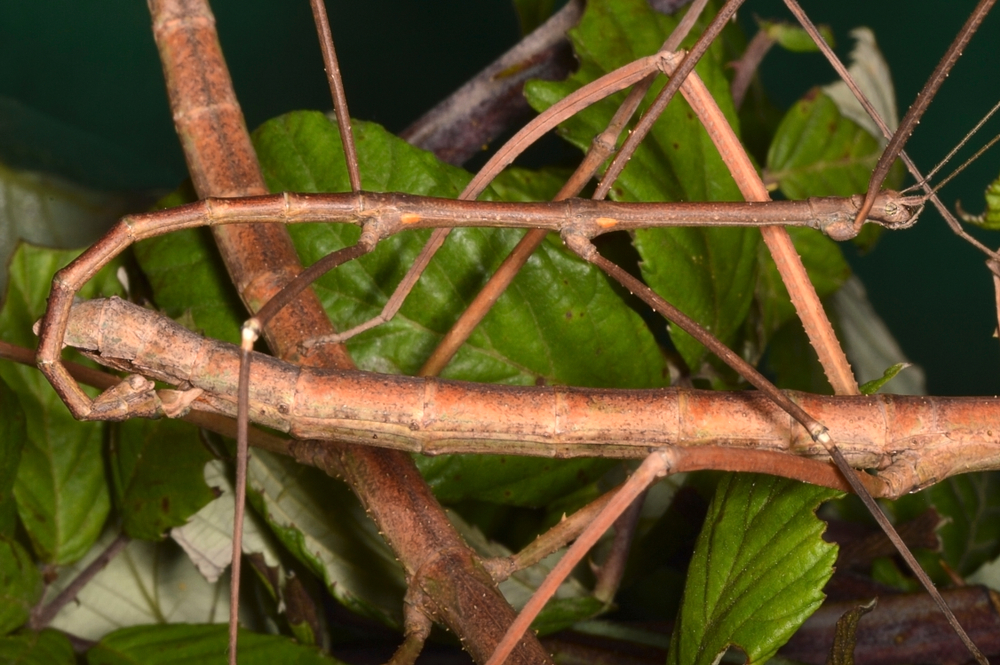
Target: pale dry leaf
(871, 71)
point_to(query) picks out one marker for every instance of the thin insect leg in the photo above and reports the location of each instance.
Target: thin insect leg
(968, 136)
(252, 329)
(606, 85)
(600, 149)
(979, 153)
(666, 94)
(916, 111)
(656, 465)
(609, 574)
(817, 430)
(748, 64)
(337, 92)
(841, 70)
(240, 491)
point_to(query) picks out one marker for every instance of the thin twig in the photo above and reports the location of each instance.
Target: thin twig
(42, 616)
(337, 92)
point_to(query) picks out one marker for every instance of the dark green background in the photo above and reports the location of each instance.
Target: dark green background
(92, 105)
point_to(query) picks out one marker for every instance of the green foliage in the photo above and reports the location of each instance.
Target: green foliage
(180, 644)
(706, 272)
(760, 562)
(49, 647)
(757, 570)
(61, 490)
(873, 386)
(792, 37)
(156, 486)
(20, 584)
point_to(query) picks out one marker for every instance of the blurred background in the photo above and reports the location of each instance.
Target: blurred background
(82, 97)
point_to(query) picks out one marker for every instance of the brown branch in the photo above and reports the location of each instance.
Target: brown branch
(261, 260)
(912, 442)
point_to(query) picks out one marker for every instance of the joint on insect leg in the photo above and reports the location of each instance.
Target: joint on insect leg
(250, 333)
(820, 434)
(579, 244)
(134, 397)
(667, 62)
(177, 403)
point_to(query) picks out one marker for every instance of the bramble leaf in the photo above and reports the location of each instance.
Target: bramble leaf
(758, 570)
(61, 490)
(708, 273)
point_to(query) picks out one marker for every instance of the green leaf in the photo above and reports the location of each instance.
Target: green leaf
(208, 536)
(198, 645)
(188, 278)
(845, 636)
(61, 491)
(825, 265)
(758, 570)
(990, 218)
(45, 209)
(555, 318)
(970, 503)
(518, 481)
(13, 434)
(873, 386)
(322, 524)
(158, 473)
(819, 152)
(871, 72)
(20, 585)
(49, 647)
(708, 273)
(792, 37)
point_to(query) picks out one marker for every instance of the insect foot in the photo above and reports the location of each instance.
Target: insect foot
(134, 397)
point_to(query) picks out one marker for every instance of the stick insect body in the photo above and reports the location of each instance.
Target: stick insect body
(382, 215)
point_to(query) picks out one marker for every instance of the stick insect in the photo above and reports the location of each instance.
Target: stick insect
(57, 336)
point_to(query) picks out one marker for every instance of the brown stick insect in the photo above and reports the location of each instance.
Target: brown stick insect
(377, 220)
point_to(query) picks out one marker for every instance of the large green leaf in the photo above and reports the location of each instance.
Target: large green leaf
(556, 317)
(189, 280)
(707, 273)
(158, 473)
(825, 264)
(186, 644)
(758, 570)
(20, 585)
(49, 647)
(13, 434)
(44, 209)
(61, 490)
(819, 152)
(208, 535)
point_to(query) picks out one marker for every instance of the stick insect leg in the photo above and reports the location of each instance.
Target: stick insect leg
(601, 148)
(606, 85)
(839, 67)
(916, 111)
(253, 328)
(586, 250)
(656, 465)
